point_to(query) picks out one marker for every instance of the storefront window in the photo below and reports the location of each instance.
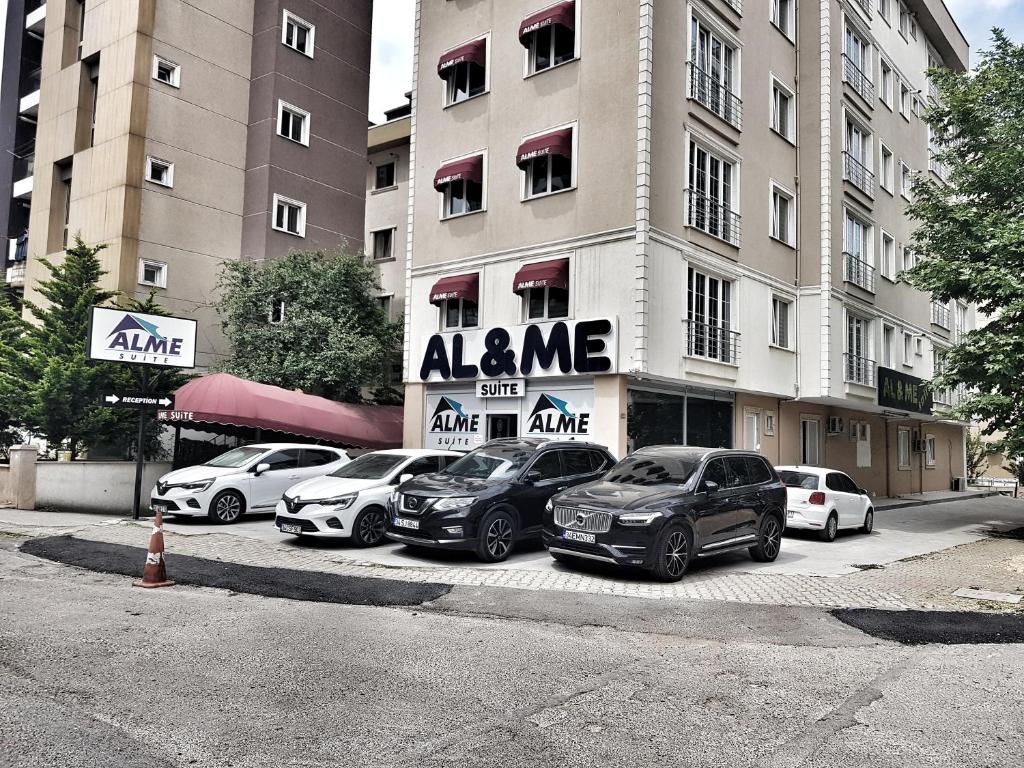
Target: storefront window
(658, 418)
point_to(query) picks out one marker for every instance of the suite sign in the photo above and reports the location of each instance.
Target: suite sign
(903, 392)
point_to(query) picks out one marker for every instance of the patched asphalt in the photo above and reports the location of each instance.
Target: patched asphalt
(268, 582)
(941, 627)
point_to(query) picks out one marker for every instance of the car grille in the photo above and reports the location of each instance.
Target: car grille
(413, 505)
(293, 505)
(585, 520)
(307, 525)
(162, 488)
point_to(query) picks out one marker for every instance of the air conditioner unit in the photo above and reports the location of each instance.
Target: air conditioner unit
(835, 425)
(920, 446)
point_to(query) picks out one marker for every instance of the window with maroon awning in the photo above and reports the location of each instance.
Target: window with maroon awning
(474, 52)
(555, 143)
(456, 287)
(468, 169)
(542, 274)
(562, 14)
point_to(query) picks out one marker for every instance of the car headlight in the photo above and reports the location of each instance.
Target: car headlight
(341, 502)
(456, 502)
(394, 497)
(549, 506)
(639, 518)
(200, 485)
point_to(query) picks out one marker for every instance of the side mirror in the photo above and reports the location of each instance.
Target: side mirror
(405, 477)
(261, 468)
(532, 477)
(865, 492)
(710, 486)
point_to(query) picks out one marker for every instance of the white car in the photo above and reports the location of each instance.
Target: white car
(825, 500)
(246, 479)
(351, 502)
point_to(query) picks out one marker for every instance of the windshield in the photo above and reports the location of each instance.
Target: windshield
(487, 463)
(641, 469)
(799, 479)
(237, 457)
(370, 466)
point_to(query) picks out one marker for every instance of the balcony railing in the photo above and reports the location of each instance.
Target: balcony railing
(737, 5)
(15, 276)
(936, 167)
(712, 342)
(715, 95)
(940, 315)
(855, 172)
(859, 370)
(861, 83)
(712, 217)
(858, 271)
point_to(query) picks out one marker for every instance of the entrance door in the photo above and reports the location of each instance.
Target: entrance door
(502, 425)
(809, 441)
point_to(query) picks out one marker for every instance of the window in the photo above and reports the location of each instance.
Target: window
(160, 172)
(885, 9)
(908, 349)
(297, 34)
(780, 322)
(783, 211)
(548, 465)
(888, 257)
(383, 244)
(550, 46)
(857, 161)
(941, 316)
(287, 459)
(315, 458)
(905, 179)
(289, 216)
(782, 16)
(758, 470)
(904, 21)
(461, 197)
(710, 198)
(384, 302)
(276, 313)
(93, 86)
(909, 257)
(888, 346)
(464, 81)
(885, 92)
(857, 63)
(576, 463)
(886, 169)
(960, 323)
(751, 430)
(459, 313)
(903, 448)
(152, 273)
(860, 368)
(904, 100)
(166, 72)
(709, 318)
(714, 64)
(546, 174)
(292, 123)
(810, 430)
(546, 303)
(65, 177)
(716, 473)
(929, 450)
(739, 476)
(422, 466)
(81, 28)
(782, 110)
(385, 176)
(857, 255)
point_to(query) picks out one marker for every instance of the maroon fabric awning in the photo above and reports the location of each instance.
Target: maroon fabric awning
(563, 14)
(474, 53)
(228, 400)
(543, 274)
(456, 287)
(554, 143)
(470, 169)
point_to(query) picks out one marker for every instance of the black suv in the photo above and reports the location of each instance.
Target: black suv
(664, 505)
(493, 496)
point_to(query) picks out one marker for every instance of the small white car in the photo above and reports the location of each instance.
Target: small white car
(825, 500)
(352, 501)
(250, 478)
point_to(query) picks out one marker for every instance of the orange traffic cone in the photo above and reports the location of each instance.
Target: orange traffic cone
(155, 572)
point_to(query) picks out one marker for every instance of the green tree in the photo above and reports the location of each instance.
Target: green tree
(977, 455)
(309, 321)
(971, 233)
(12, 370)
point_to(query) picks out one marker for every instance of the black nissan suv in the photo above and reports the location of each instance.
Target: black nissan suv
(664, 505)
(493, 496)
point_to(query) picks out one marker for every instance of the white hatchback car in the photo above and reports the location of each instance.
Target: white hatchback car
(351, 502)
(246, 479)
(826, 501)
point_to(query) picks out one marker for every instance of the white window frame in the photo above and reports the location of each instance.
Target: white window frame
(862, 327)
(161, 266)
(784, 25)
(903, 448)
(547, 308)
(806, 421)
(777, 189)
(287, 16)
(886, 173)
(443, 214)
(906, 179)
(446, 83)
(931, 449)
(527, 175)
(886, 78)
(733, 85)
(150, 162)
(867, 253)
(175, 81)
(885, 11)
(777, 302)
(529, 51)
(443, 316)
(721, 327)
(888, 346)
(778, 85)
(373, 244)
(887, 259)
(394, 174)
(696, 141)
(282, 107)
(282, 200)
(905, 100)
(908, 349)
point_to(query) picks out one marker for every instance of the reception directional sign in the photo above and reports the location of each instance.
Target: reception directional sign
(137, 402)
(121, 336)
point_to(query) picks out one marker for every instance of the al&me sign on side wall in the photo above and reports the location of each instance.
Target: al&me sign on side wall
(133, 337)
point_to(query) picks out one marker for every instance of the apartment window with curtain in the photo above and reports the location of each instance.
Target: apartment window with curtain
(860, 368)
(857, 63)
(857, 157)
(711, 195)
(888, 346)
(782, 110)
(780, 322)
(886, 169)
(885, 91)
(783, 210)
(714, 72)
(782, 16)
(888, 257)
(709, 318)
(857, 257)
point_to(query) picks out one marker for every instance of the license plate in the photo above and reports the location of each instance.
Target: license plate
(790, 514)
(159, 509)
(401, 522)
(291, 528)
(587, 538)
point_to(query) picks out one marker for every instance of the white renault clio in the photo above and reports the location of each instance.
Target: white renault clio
(246, 479)
(351, 502)
(826, 501)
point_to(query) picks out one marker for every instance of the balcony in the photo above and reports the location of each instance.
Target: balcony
(858, 174)
(941, 315)
(865, 5)
(35, 18)
(708, 91)
(736, 5)
(24, 167)
(858, 271)
(860, 82)
(29, 89)
(712, 342)
(859, 370)
(936, 167)
(713, 217)
(15, 276)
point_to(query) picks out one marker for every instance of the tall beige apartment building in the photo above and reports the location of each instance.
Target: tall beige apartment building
(651, 222)
(182, 135)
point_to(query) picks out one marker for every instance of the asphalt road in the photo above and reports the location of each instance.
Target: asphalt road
(95, 673)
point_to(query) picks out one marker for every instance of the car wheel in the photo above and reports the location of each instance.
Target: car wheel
(497, 535)
(368, 528)
(672, 554)
(769, 540)
(869, 521)
(226, 507)
(828, 533)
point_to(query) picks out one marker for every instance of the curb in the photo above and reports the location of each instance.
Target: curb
(905, 503)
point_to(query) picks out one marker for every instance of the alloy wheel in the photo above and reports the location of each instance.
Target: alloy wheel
(869, 521)
(499, 538)
(371, 527)
(833, 527)
(772, 539)
(676, 552)
(228, 508)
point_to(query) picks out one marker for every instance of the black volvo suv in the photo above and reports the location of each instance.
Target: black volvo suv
(664, 505)
(493, 496)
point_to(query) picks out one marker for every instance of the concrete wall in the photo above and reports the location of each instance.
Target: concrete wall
(93, 486)
(5, 487)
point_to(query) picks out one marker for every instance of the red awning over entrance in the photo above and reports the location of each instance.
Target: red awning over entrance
(474, 53)
(554, 143)
(470, 169)
(228, 400)
(543, 274)
(456, 287)
(563, 14)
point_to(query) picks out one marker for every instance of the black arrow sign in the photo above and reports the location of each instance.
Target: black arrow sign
(137, 402)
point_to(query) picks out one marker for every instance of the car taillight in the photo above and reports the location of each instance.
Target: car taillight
(816, 498)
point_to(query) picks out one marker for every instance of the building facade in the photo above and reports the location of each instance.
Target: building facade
(652, 222)
(183, 136)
